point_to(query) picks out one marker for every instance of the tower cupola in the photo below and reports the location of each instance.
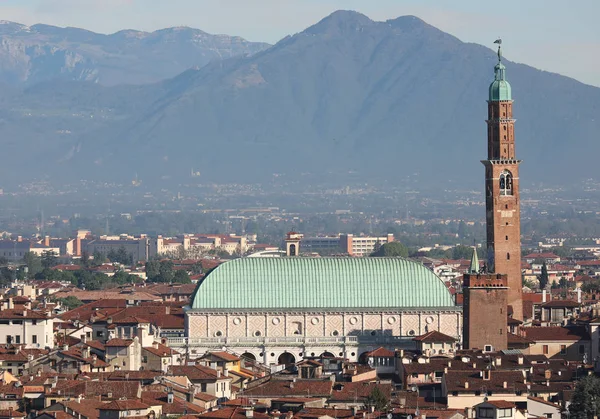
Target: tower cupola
(500, 88)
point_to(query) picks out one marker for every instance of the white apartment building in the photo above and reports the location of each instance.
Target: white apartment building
(345, 243)
(24, 326)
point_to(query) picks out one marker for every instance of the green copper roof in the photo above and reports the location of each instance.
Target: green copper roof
(500, 88)
(309, 283)
(474, 267)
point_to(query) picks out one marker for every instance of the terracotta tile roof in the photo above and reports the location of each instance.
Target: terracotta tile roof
(561, 303)
(540, 400)
(19, 313)
(518, 340)
(556, 333)
(131, 320)
(232, 413)
(440, 413)
(358, 390)
(178, 407)
(10, 413)
(85, 407)
(119, 342)
(531, 296)
(434, 336)
(313, 412)
(131, 404)
(381, 353)
(501, 404)
(194, 372)
(455, 381)
(282, 388)
(161, 350)
(205, 397)
(225, 356)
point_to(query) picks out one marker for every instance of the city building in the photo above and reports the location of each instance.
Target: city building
(346, 243)
(503, 215)
(278, 310)
(136, 247)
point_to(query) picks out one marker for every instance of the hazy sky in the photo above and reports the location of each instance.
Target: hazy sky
(553, 35)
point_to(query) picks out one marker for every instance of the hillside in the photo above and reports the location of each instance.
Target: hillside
(32, 54)
(384, 100)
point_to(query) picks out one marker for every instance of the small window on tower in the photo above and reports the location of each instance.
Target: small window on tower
(508, 256)
(506, 237)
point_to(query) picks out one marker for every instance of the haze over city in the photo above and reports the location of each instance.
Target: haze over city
(299, 210)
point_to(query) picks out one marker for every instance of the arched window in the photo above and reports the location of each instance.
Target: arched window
(506, 183)
(508, 256)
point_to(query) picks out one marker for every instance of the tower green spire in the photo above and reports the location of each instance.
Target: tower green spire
(500, 88)
(474, 267)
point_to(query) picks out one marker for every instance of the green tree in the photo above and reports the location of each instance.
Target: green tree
(392, 249)
(377, 399)
(591, 286)
(462, 252)
(585, 402)
(99, 258)
(49, 259)
(120, 255)
(152, 269)
(562, 283)
(70, 302)
(33, 262)
(543, 277)
(166, 271)
(462, 230)
(182, 277)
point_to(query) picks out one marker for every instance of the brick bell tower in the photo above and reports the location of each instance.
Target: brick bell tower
(503, 214)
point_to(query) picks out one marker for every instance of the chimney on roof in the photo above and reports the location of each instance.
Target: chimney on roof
(474, 365)
(47, 241)
(543, 296)
(579, 295)
(249, 412)
(486, 375)
(10, 303)
(504, 384)
(445, 370)
(520, 359)
(19, 238)
(498, 361)
(547, 383)
(466, 384)
(167, 310)
(79, 398)
(170, 396)
(449, 364)
(65, 347)
(155, 345)
(218, 373)
(24, 313)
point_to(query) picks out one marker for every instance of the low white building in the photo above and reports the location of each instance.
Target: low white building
(23, 326)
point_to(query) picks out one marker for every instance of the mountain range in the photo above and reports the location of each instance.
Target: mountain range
(382, 101)
(32, 54)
